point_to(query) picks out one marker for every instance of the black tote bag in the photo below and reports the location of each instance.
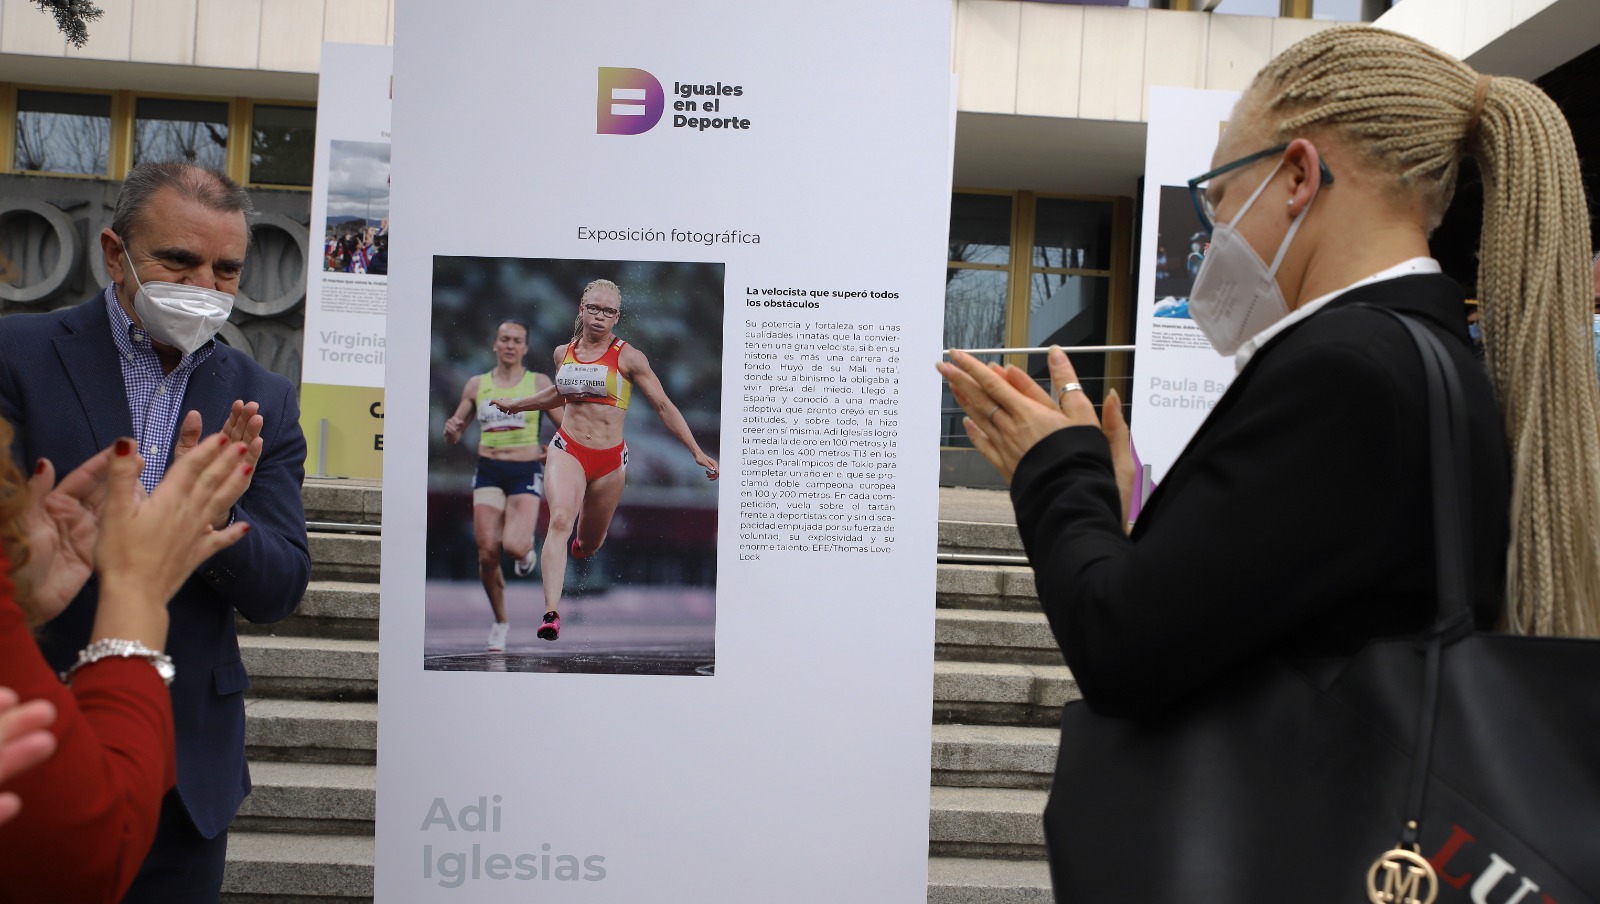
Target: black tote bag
(1449, 767)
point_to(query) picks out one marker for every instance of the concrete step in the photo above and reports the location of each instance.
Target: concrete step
(309, 799)
(311, 668)
(1006, 587)
(985, 693)
(967, 635)
(343, 501)
(987, 822)
(344, 556)
(297, 869)
(352, 600)
(962, 880)
(979, 538)
(974, 504)
(311, 731)
(1000, 693)
(343, 609)
(994, 756)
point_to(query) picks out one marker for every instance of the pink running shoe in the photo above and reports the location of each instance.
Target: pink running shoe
(551, 629)
(575, 550)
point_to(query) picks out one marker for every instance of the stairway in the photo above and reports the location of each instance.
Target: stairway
(998, 686)
(305, 835)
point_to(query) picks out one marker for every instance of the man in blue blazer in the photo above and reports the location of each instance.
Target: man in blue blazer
(138, 360)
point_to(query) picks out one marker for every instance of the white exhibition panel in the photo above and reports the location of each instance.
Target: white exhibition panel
(344, 328)
(1177, 376)
(799, 770)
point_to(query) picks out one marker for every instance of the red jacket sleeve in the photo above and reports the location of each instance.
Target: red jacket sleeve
(89, 812)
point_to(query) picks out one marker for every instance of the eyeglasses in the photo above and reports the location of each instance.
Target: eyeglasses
(599, 311)
(1197, 185)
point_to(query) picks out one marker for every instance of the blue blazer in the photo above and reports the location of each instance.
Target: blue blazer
(61, 387)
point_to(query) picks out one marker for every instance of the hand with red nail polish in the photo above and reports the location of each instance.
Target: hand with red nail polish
(61, 527)
(150, 544)
(243, 427)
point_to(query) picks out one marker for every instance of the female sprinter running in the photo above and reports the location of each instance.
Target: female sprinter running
(510, 475)
(587, 461)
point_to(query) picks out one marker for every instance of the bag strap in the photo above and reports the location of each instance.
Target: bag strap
(1448, 448)
(1447, 452)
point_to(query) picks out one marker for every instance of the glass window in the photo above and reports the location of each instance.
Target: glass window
(1070, 310)
(974, 317)
(980, 229)
(282, 145)
(63, 133)
(192, 130)
(1072, 235)
(1345, 10)
(1067, 310)
(974, 308)
(1250, 7)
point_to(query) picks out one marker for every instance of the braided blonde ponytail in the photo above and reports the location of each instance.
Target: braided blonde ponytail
(1413, 112)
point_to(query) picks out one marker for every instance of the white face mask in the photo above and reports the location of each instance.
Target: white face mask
(184, 317)
(1235, 295)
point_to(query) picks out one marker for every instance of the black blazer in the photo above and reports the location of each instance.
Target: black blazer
(61, 386)
(1297, 520)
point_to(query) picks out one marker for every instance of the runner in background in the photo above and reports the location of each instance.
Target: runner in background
(510, 477)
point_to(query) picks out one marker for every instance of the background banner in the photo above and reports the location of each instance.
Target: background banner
(1177, 376)
(736, 706)
(341, 391)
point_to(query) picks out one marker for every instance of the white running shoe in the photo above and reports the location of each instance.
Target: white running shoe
(524, 565)
(497, 636)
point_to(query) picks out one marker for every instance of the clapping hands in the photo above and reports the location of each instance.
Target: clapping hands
(62, 524)
(100, 518)
(1008, 413)
(149, 545)
(243, 426)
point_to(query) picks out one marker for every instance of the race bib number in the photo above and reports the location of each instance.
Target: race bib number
(493, 420)
(581, 379)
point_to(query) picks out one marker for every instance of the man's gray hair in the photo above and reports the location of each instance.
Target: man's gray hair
(204, 185)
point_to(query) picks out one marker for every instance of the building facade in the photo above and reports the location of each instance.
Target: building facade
(1049, 148)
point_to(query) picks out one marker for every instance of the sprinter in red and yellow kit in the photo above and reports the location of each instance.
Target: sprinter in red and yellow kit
(586, 464)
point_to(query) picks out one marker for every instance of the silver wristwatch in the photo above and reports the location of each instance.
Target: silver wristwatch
(112, 647)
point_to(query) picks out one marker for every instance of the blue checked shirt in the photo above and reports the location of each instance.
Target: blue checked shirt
(155, 399)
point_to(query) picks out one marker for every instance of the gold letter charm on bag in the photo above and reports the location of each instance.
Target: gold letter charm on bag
(1407, 879)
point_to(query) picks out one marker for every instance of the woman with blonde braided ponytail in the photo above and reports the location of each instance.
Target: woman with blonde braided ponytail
(1299, 515)
(1298, 526)
(1416, 112)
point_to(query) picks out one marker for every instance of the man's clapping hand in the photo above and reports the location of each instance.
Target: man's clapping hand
(243, 426)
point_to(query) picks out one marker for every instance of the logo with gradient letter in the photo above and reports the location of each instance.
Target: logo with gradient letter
(630, 101)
